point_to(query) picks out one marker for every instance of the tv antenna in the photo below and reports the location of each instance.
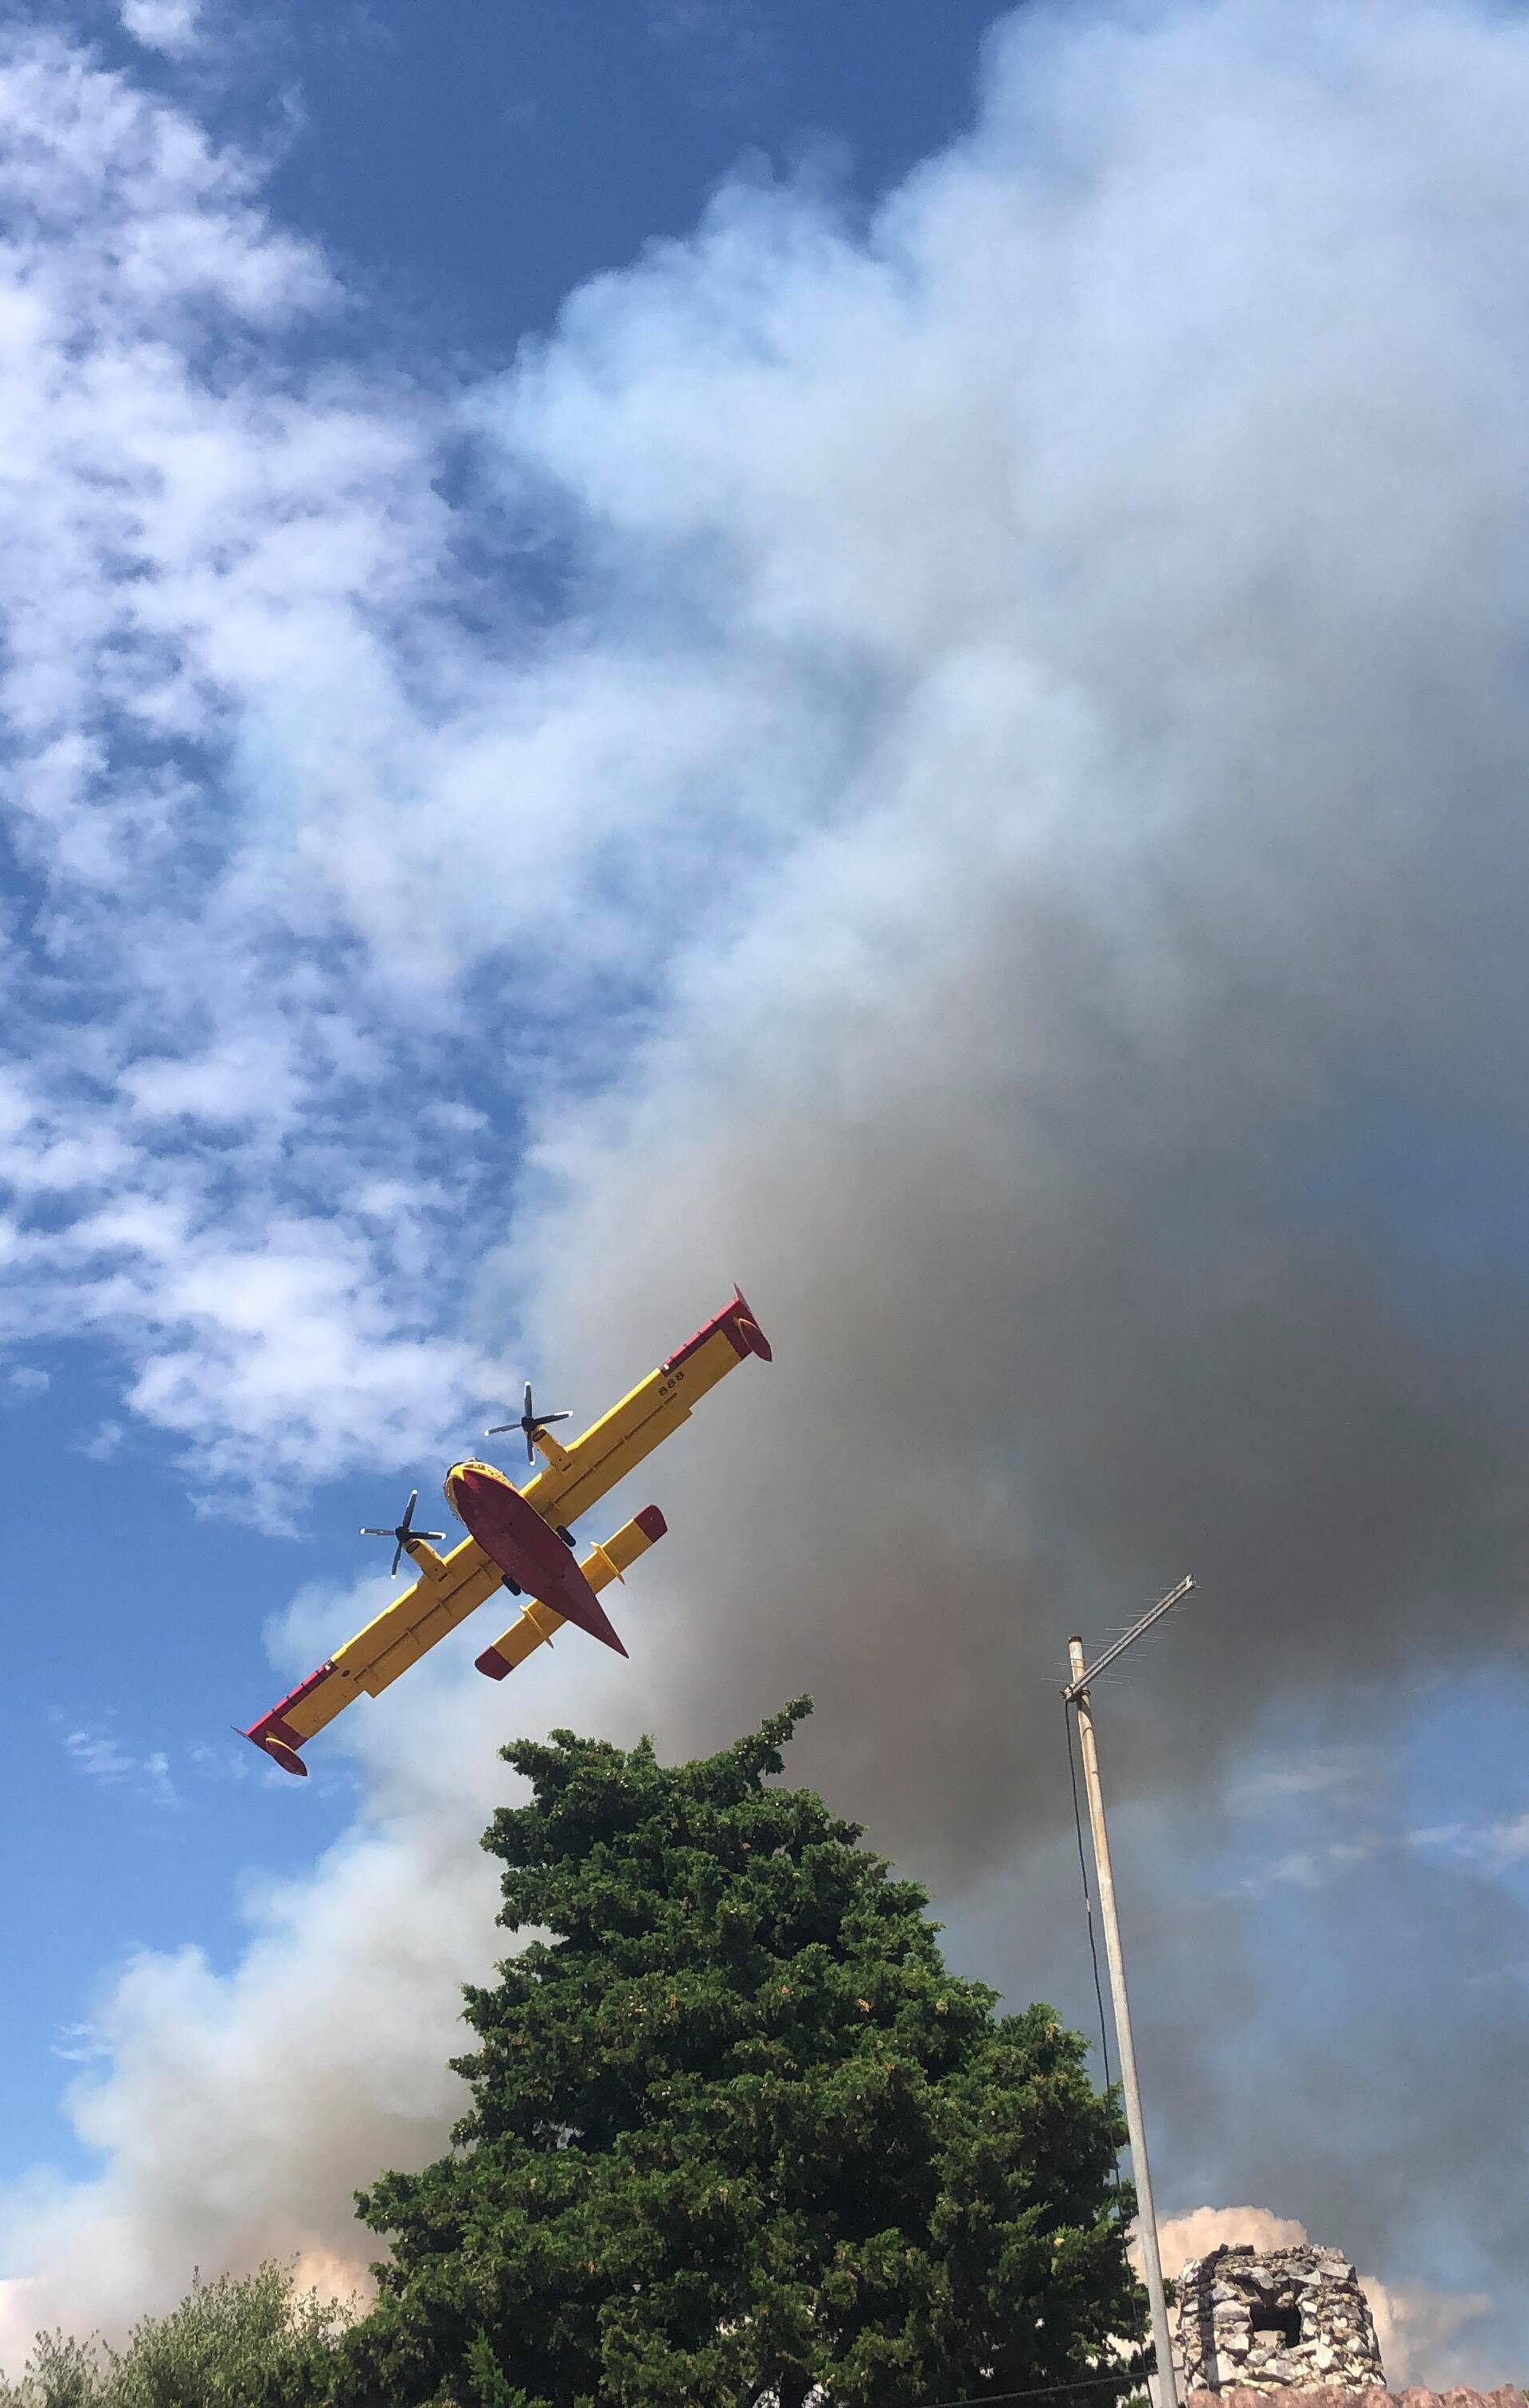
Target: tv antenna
(1076, 1694)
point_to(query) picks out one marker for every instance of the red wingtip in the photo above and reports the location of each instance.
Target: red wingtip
(276, 1738)
(743, 1333)
(651, 1523)
(749, 1329)
(492, 1664)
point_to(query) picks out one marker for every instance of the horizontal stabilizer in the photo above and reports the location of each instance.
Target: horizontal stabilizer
(600, 1567)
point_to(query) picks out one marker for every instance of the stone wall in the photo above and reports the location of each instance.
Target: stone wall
(1261, 2320)
(1341, 2397)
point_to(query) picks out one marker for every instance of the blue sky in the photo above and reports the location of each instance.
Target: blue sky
(469, 177)
(875, 651)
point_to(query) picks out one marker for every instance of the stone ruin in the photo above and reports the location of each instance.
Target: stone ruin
(1274, 2320)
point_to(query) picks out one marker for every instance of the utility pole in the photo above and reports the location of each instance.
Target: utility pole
(1077, 1696)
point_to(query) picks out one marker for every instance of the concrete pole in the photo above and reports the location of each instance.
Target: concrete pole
(1167, 2389)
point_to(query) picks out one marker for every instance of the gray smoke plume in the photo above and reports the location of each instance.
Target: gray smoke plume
(1115, 1103)
(1117, 1112)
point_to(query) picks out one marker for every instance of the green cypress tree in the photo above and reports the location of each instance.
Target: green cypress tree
(737, 2134)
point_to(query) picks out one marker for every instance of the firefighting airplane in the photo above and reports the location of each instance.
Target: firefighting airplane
(521, 1540)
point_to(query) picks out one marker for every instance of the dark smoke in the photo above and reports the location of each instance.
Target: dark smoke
(1117, 1110)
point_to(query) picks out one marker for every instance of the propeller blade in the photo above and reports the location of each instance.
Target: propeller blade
(529, 1425)
(402, 1534)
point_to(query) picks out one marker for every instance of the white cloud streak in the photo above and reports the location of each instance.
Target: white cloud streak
(174, 27)
(192, 537)
(1494, 1846)
(99, 1754)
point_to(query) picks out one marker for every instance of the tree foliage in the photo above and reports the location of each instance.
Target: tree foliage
(738, 2135)
(242, 2342)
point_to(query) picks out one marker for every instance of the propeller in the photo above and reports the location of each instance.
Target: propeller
(530, 1422)
(403, 1532)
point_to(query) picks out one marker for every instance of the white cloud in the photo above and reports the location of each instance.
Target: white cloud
(191, 535)
(170, 25)
(96, 1751)
(1179, 2237)
(79, 2045)
(1313, 1868)
(1493, 1846)
(26, 1384)
(454, 1119)
(243, 1079)
(1322, 1773)
(221, 570)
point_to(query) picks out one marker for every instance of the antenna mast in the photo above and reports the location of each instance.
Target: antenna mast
(1077, 1696)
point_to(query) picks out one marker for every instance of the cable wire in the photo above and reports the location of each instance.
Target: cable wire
(1045, 2391)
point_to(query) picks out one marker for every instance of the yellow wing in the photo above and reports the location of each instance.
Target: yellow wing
(577, 1476)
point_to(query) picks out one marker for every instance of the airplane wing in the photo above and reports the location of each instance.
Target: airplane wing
(577, 1476)
(450, 1587)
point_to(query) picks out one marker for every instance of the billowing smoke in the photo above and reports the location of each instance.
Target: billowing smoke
(1087, 606)
(1116, 1104)
(1117, 1109)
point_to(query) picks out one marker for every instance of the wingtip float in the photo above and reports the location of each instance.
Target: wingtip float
(520, 1538)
